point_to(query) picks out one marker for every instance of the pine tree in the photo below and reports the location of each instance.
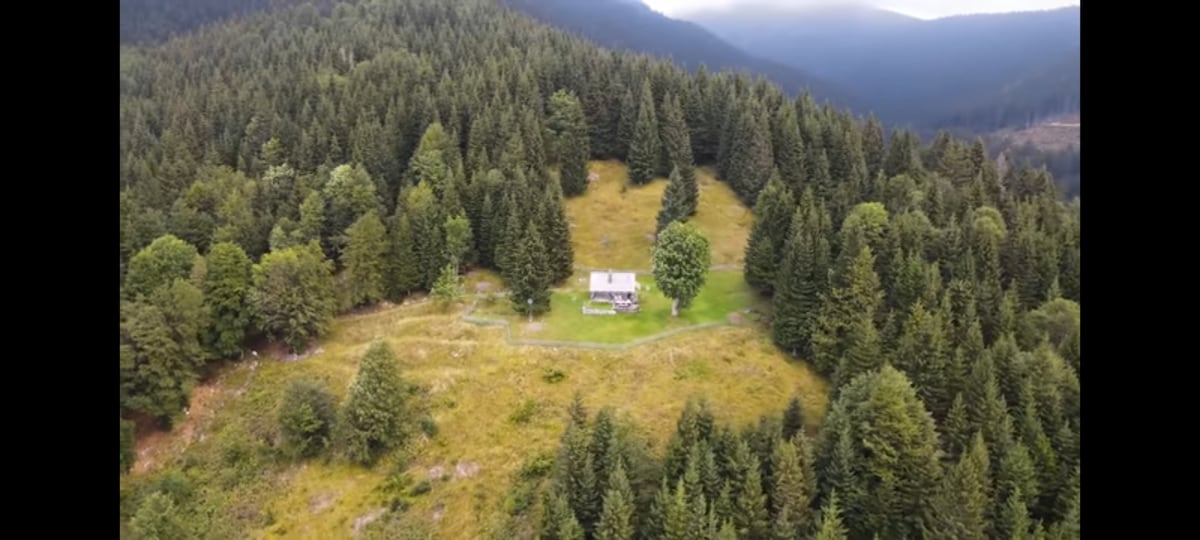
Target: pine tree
(789, 149)
(769, 234)
(793, 419)
(750, 161)
(859, 297)
(791, 485)
(676, 138)
(645, 146)
(616, 520)
(625, 126)
(674, 202)
(447, 288)
(956, 427)
(569, 125)
(961, 505)
(829, 527)
(560, 255)
(1013, 519)
(371, 418)
(404, 271)
(863, 352)
(751, 515)
(364, 260)
(922, 354)
(530, 286)
(797, 289)
(675, 522)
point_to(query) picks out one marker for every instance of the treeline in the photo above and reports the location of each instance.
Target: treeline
(879, 467)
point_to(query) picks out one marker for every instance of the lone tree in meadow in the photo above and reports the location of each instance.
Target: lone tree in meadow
(371, 420)
(681, 259)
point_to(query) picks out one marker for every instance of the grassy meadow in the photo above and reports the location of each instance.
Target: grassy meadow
(494, 405)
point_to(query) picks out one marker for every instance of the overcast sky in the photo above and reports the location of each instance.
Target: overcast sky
(924, 9)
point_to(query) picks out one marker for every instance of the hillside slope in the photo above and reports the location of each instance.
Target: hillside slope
(914, 71)
(622, 24)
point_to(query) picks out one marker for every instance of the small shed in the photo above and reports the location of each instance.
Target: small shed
(619, 288)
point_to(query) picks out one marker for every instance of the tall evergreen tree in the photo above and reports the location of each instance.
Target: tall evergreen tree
(616, 520)
(374, 410)
(750, 161)
(364, 260)
(788, 148)
(560, 256)
(845, 306)
(530, 288)
(645, 147)
(769, 234)
(570, 127)
(674, 202)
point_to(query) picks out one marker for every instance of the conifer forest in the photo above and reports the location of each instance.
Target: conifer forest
(310, 190)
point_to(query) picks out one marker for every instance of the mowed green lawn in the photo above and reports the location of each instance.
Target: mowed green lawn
(724, 297)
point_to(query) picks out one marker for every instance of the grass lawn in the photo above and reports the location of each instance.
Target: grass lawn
(613, 222)
(724, 294)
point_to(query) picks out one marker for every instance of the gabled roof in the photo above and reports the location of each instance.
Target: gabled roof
(613, 282)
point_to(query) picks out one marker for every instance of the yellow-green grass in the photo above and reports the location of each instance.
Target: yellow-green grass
(473, 382)
(724, 296)
(613, 222)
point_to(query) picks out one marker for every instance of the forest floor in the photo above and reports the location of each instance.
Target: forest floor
(495, 405)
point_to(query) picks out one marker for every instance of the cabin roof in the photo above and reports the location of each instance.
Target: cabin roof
(613, 282)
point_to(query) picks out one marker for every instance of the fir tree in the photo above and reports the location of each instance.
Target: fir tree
(793, 419)
(789, 149)
(364, 260)
(371, 418)
(674, 202)
(404, 273)
(560, 255)
(769, 234)
(616, 519)
(829, 527)
(530, 284)
(644, 146)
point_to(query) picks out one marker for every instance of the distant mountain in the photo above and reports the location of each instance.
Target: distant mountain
(924, 73)
(144, 21)
(631, 25)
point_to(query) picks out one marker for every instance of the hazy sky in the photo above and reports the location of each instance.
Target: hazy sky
(924, 9)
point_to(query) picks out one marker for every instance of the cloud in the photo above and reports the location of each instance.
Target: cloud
(925, 9)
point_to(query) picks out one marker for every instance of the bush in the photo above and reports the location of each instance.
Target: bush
(420, 489)
(306, 418)
(553, 375)
(428, 426)
(524, 413)
(519, 500)
(537, 466)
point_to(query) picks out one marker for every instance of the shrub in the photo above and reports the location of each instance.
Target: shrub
(306, 418)
(420, 489)
(553, 375)
(524, 413)
(428, 426)
(537, 466)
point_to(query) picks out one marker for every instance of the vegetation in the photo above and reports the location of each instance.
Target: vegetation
(360, 152)
(681, 260)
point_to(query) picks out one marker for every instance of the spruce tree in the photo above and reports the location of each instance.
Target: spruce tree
(675, 136)
(616, 519)
(560, 255)
(793, 418)
(364, 260)
(789, 149)
(404, 273)
(530, 288)
(791, 485)
(751, 515)
(858, 297)
(371, 418)
(625, 126)
(750, 161)
(674, 201)
(830, 527)
(569, 125)
(797, 290)
(769, 234)
(645, 146)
